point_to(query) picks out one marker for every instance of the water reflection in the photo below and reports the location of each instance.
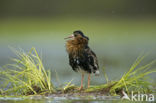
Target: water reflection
(55, 100)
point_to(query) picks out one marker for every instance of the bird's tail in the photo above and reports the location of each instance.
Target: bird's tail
(97, 73)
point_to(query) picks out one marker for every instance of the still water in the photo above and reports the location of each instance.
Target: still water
(41, 99)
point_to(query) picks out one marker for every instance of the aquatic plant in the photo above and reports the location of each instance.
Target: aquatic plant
(134, 80)
(26, 75)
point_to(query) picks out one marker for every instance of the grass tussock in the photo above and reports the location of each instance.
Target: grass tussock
(26, 75)
(134, 80)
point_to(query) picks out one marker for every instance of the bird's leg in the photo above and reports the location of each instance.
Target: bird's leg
(88, 80)
(82, 82)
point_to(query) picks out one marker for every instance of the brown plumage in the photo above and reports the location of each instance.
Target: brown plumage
(76, 46)
(81, 57)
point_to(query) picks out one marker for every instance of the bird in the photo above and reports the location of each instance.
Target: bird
(81, 58)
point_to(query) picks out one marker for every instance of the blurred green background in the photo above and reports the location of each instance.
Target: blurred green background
(119, 31)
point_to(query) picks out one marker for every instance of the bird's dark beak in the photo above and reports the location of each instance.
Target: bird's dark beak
(69, 37)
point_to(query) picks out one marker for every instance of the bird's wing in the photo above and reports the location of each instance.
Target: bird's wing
(87, 61)
(92, 59)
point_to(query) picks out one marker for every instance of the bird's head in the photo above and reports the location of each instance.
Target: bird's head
(77, 34)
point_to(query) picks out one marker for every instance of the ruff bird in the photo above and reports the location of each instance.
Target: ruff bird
(81, 58)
